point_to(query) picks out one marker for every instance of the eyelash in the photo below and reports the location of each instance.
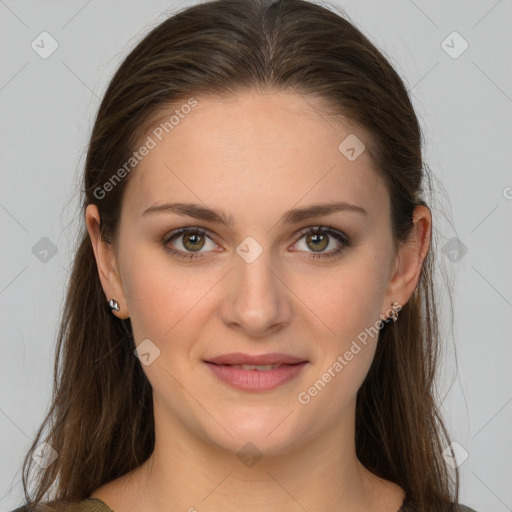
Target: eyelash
(338, 235)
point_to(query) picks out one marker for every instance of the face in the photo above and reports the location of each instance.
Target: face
(264, 274)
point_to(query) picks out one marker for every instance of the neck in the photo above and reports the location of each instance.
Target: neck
(186, 472)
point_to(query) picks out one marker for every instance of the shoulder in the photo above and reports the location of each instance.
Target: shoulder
(410, 505)
(86, 505)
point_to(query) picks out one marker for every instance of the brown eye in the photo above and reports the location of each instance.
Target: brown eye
(322, 242)
(193, 241)
(190, 242)
(318, 241)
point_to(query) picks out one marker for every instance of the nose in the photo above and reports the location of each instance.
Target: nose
(257, 301)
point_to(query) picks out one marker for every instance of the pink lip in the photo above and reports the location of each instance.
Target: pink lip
(240, 358)
(256, 380)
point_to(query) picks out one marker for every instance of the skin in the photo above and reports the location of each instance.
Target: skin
(255, 156)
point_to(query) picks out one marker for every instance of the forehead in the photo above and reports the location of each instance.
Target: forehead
(252, 151)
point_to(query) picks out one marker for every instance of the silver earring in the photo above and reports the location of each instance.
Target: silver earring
(395, 308)
(113, 305)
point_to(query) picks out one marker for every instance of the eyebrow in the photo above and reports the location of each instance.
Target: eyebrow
(218, 216)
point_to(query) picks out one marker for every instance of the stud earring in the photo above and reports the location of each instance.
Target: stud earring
(395, 308)
(113, 305)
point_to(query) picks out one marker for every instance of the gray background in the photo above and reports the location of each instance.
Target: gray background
(464, 104)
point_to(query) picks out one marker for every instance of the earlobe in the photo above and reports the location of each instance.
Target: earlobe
(410, 258)
(107, 264)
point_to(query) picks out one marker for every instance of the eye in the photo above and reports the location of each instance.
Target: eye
(185, 242)
(318, 239)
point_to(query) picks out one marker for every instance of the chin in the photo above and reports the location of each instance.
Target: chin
(269, 431)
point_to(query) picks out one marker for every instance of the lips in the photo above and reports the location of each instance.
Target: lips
(237, 358)
(262, 372)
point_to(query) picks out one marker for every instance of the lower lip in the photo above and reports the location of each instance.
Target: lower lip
(256, 380)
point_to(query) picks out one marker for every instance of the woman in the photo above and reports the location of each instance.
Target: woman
(250, 320)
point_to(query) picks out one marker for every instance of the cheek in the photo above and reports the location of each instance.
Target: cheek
(346, 306)
(163, 298)
(347, 300)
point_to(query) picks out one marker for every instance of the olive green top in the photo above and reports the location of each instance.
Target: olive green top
(96, 505)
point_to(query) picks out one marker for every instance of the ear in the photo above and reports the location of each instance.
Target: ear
(409, 259)
(106, 261)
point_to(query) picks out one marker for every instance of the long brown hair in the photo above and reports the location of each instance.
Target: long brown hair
(101, 418)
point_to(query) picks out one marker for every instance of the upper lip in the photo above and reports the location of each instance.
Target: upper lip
(261, 359)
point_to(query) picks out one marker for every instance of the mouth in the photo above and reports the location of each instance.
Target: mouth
(259, 367)
(256, 373)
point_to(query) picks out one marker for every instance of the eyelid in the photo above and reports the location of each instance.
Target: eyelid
(342, 238)
(181, 231)
(322, 228)
(176, 233)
